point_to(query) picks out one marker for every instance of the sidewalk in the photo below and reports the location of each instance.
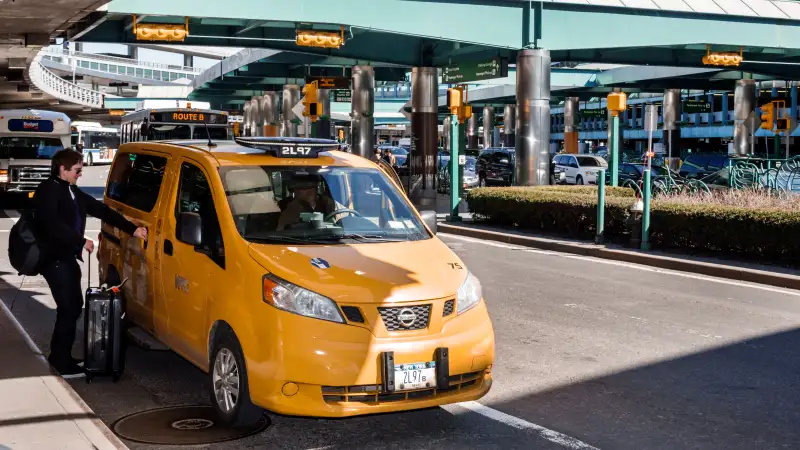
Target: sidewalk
(715, 267)
(39, 410)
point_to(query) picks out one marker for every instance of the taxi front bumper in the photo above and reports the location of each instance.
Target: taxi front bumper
(308, 375)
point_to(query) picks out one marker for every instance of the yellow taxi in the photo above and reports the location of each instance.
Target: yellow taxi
(299, 277)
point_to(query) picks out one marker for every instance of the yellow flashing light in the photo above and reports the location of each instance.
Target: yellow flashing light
(160, 31)
(722, 58)
(324, 39)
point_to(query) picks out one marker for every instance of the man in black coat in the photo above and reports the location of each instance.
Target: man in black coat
(60, 217)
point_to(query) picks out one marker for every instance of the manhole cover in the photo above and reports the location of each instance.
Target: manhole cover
(180, 425)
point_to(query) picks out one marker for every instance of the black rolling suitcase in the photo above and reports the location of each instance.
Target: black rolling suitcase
(104, 349)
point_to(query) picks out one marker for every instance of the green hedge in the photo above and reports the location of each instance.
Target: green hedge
(762, 235)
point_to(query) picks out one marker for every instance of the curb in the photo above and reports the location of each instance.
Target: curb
(598, 251)
(92, 428)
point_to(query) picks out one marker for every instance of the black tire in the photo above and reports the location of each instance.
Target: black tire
(579, 180)
(243, 412)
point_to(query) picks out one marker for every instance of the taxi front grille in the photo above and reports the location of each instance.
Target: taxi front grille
(402, 318)
(449, 306)
(373, 393)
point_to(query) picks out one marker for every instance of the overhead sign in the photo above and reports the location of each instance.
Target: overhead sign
(475, 71)
(601, 113)
(330, 82)
(342, 95)
(696, 106)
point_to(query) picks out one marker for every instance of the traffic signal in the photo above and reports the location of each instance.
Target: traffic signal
(312, 107)
(782, 124)
(341, 135)
(456, 102)
(768, 116)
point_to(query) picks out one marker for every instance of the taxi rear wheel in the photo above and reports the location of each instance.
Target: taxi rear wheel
(230, 392)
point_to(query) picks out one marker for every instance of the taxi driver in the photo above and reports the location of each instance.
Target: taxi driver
(306, 200)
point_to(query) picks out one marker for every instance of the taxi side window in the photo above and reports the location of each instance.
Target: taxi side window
(136, 180)
(194, 195)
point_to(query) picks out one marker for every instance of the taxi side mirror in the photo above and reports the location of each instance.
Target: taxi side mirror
(191, 228)
(429, 217)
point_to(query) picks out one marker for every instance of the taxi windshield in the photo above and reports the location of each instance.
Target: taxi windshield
(318, 205)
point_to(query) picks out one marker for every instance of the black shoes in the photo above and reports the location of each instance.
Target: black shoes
(70, 369)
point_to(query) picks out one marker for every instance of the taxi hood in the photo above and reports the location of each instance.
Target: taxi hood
(391, 272)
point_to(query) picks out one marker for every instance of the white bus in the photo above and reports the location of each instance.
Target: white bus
(28, 140)
(98, 143)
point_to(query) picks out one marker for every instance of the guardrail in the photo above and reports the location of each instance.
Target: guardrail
(63, 90)
(153, 65)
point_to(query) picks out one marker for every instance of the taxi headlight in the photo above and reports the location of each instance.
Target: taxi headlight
(294, 299)
(469, 294)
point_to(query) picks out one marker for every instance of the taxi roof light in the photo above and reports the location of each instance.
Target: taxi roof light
(283, 147)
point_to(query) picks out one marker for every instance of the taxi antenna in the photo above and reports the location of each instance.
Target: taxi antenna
(208, 133)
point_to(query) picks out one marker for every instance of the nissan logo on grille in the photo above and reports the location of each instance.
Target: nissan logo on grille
(407, 317)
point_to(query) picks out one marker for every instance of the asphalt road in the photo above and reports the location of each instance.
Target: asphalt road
(590, 353)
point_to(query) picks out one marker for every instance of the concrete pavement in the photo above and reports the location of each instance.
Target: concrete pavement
(591, 353)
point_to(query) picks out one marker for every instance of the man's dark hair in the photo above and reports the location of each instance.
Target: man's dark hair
(67, 158)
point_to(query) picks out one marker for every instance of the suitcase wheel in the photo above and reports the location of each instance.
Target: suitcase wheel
(89, 377)
(115, 376)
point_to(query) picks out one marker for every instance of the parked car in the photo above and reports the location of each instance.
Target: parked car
(700, 166)
(578, 169)
(495, 166)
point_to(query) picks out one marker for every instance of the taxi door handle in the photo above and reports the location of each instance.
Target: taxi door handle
(167, 247)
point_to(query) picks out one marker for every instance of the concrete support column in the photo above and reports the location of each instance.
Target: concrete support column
(472, 131)
(363, 105)
(509, 125)
(672, 112)
(424, 134)
(571, 120)
(270, 108)
(324, 123)
(291, 97)
(744, 106)
(188, 61)
(488, 126)
(533, 118)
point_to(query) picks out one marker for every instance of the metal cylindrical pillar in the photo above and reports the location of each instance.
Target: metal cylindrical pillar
(363, 104)
(672, 113)
(533, 118)
(446, 133)
(488, 126)
(509, 125)
(744, 107)
(291, 97)
(424, 134)
(620, 135)
(257, 117)
(472, 131)
(246, 119)
(324, 122)
(188, 61)
(270, 113)
(571, 120)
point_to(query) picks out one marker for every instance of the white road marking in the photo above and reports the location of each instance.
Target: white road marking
(520, 424)
(625, 264)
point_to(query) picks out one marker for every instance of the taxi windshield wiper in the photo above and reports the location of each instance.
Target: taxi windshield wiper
(285, 239)
(363, 237)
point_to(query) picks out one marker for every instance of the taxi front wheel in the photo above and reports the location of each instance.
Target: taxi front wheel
(230, 393)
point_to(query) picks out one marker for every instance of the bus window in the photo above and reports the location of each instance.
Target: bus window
(216, 133)
(29, 147)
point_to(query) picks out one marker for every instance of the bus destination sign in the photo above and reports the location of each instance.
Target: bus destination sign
(189, 117)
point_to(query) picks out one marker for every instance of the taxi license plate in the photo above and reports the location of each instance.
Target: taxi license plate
(414, 376)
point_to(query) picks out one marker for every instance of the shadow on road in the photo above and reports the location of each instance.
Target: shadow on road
(741, 396)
